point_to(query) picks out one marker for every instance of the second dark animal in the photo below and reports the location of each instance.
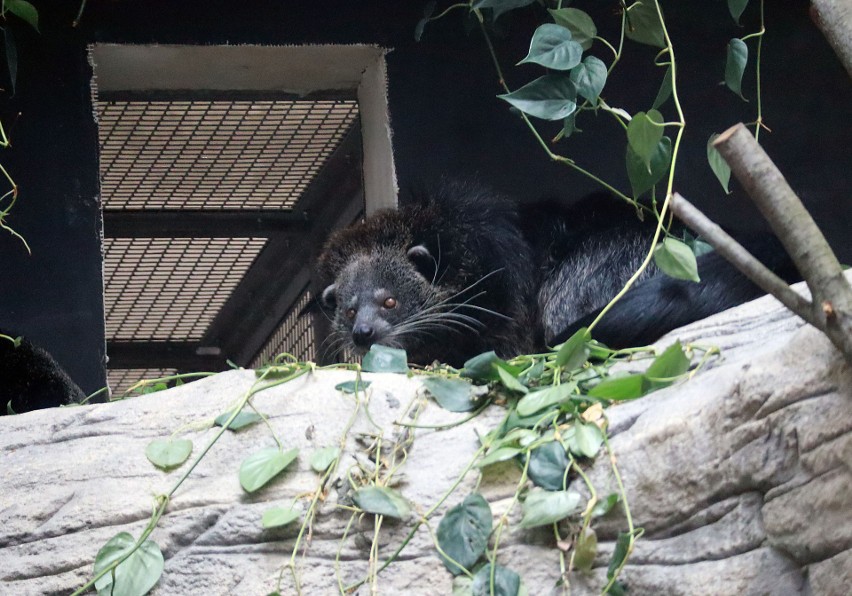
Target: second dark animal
(463, 270)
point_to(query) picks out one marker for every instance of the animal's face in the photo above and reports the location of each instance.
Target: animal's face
(382, 298)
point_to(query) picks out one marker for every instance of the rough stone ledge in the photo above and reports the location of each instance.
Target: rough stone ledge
(740, 477)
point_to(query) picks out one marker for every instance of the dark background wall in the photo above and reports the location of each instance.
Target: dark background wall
(445, 117)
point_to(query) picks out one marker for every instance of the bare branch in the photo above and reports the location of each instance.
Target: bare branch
(834, 18)
(740, 258)
(831, 293)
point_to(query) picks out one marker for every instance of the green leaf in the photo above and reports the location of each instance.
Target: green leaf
(11, 60)
(506, 582)
(604, 506)
(352, 386)
(242, 420)
(136, 575)
(665, 90)
(463, 532)
(580, 24)
(380, 500)
(585, 550)
(23, 10)
(428, 10)
(735, 65)
(621, 388)
(676, 259)
(586, 440)
(453, 395)
(482, 367)
(575, 351)
(384, 359)
(696, 245)
(551, 97)
(510, 381)
(168, 453)
(737, 7)
(278, 516)
(534, 372)
(569, 125)
(321, 459)
(462, 586)
(642, 178)
(546, 507)
(10, 411)
(718, 164)
(643, 24)
(262, 466)
(498, 455)
(547, 466)
(544, 398)
(622, 544)
(589, 77)
(671, 363)
(644, 133)
(501, 6)
(552, 47)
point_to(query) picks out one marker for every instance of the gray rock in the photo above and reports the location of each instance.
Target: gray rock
(740, 478)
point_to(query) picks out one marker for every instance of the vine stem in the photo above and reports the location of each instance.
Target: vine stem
(669, 184)
(504, 521)
(758, 123)
(553, 156)
(631, 531)
(425, 516)
(163, 500)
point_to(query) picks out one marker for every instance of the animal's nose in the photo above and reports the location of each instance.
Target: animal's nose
(363, 335)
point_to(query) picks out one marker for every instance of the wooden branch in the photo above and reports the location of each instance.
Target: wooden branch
(740, 258)
(834, 18)
(803, 240)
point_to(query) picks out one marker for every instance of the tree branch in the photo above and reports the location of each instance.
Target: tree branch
(740, 258)
(831, 309)
(834, 18)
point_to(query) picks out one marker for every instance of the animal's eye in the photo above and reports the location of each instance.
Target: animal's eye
(389, 302)
(350, 313)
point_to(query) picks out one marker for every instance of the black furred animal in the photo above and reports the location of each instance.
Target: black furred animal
(30, 379)
(445, 278)
(463, 271)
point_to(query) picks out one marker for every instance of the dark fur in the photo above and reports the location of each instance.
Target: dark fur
(548, 268)
(479, 262)
(31, 379)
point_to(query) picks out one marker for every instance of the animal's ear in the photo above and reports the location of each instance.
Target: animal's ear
(423, 260)
(329, 296)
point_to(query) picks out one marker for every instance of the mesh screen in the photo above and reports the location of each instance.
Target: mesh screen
(295, 336)
(120, 380)
(159, 289)
(220, 154)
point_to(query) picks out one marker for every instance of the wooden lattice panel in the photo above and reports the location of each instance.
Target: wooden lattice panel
(160, 289)
(219, 154)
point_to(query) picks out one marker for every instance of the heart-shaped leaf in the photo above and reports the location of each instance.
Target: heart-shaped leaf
(543, 507)
(737, 58)
(463, 532)
(551, 97)
(536, 401)
(262, 466)
(552, 47)
(718, 164)
(279, 516)
(242, 420)
(579, 23)
(547, 466)
(644, 176)
(676, 259)
(168, 453)
(136, 575)
(589, 77)
(506, 582)
(644, 133)
(321, 459)
(380, 500)
(384, 359)
(643, 24)
(454, 395)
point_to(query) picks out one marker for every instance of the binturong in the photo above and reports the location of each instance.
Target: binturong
(446, 277)
(463, 270)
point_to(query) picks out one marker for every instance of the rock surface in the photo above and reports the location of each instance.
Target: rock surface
(741, 478)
